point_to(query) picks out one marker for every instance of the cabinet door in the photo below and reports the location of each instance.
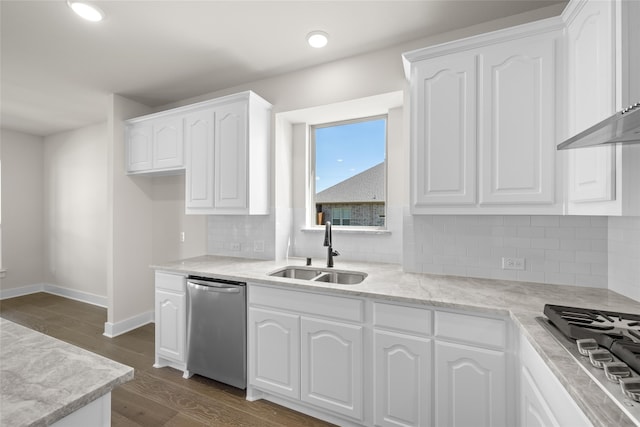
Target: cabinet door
(517, 137)
(444, 130)
(543, 400)
(168, 143)
(402, 380)
(591, 99)
(199, 129)
(534, 411)
(231, 156)
(139, 147)
(471, 386)
(331, 366)
(171, 324)
(274, 352)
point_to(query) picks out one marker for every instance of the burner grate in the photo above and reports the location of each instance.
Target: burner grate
(617, 332)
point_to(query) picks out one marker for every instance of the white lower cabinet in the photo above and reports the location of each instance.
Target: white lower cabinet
(367, 362)
(313, 360)
(331, 366)
(543, 400)
(402, 370)
(471, 386)
(275, 339)
(171, 320)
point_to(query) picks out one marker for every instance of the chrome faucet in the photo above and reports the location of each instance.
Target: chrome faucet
(328, 241)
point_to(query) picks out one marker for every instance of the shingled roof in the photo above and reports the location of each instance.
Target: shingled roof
(367, 186)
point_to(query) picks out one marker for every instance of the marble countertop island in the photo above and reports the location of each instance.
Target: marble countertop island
(43, 379)
(523, 302)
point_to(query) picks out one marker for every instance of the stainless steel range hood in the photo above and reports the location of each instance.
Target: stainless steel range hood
(622, 127)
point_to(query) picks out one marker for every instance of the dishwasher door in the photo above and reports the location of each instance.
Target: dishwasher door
(217, 330)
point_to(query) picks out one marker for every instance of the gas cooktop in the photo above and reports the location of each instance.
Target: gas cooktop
(607, 346)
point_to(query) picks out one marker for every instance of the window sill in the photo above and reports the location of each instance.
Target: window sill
(351, 230)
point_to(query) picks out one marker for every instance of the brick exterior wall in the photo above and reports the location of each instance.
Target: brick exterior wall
(362, 214)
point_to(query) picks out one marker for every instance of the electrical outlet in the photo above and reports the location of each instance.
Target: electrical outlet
(258, 246)
(235, 246)
(512, 263)
(182, 237)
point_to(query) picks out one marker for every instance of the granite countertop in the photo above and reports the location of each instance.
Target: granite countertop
(43, 379)
(521, 301)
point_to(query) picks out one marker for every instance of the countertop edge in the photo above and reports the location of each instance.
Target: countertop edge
(69, 395)
(83, 401)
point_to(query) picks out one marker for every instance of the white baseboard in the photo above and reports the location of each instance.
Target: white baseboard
(93, 299)
(22, 290)
(87, 297)
(118, 328)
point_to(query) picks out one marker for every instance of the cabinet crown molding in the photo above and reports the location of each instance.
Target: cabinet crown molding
(542, 26)
(246, 95)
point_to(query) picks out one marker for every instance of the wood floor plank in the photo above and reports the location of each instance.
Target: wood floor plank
(156, 397)
(140, 409)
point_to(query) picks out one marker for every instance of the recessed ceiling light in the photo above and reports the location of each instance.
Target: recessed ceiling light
(317, 39)
(86, 11)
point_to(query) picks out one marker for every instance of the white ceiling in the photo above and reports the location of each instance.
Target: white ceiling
(57, 70)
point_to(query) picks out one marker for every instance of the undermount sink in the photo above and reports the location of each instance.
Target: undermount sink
(341, 277)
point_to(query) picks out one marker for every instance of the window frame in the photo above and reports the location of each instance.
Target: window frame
(311, 175)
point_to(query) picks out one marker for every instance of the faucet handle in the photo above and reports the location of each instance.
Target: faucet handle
(335, 253)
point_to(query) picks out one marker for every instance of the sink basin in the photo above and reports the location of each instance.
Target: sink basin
(297, 273)
(340, 277)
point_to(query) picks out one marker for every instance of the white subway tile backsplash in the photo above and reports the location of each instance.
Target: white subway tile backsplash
(531, 232)
(575, 268)
(531, 276)
(574, 245)
(574, 221)
(592, 280)
(560, 255)
(474, 245)
(517, 220)
(560, 278)
(591, 233)
(599, 221)
(593, 257)
(545, 221)
(624, 256)
(545, 243)
(560, 232)
(545, 265)
(517, 242)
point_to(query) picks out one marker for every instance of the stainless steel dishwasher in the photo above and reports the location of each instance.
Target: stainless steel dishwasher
(217, 330)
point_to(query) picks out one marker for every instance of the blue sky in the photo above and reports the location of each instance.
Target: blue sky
(346, 150)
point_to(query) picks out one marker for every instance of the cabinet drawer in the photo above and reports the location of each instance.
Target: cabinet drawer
(308, 303)
(401, 318)
(171, 282)
(482, 331)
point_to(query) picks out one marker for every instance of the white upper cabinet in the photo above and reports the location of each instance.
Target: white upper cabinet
(483, 128)
(444, 116)
(602, 42)
(228, 157)
(139, 140)
(221, 144)
(154, 146)
(199, 128)
(518, 112)
(168, 146)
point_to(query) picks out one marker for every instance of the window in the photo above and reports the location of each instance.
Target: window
(348, 172)
(341, 216)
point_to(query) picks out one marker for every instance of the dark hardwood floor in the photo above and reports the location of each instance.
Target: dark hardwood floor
(156, 397)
